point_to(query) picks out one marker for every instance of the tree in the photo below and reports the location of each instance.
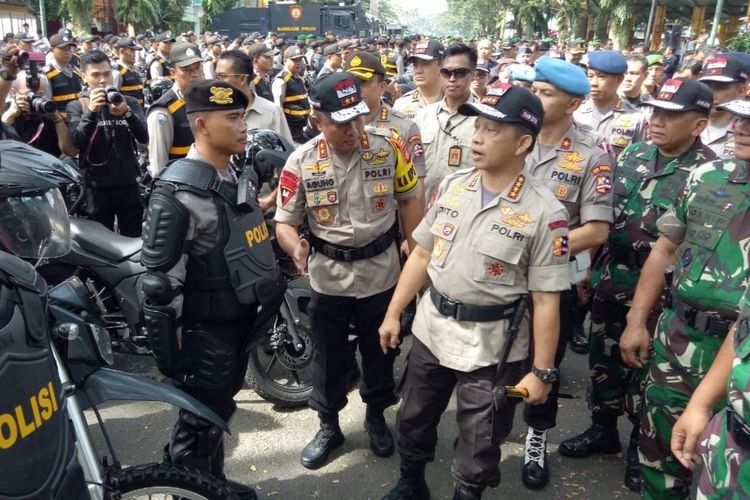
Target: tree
(212, 8)
(172, 12)
(139, 13)
(78, 11)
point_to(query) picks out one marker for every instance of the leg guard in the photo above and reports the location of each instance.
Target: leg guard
(159, 319)
(210, 362)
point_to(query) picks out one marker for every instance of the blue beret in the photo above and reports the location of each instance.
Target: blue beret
(608, 61)
(743, 57)
(563, 75)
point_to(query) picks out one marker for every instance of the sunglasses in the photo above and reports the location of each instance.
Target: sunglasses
(458, 73)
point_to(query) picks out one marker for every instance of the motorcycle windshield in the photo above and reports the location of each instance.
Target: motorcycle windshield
(35, 226)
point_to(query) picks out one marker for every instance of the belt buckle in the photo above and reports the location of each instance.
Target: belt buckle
(343, 254)
(448, 307)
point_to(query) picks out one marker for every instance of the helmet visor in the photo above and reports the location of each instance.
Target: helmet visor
(35, 226)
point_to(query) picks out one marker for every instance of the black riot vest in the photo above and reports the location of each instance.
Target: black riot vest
(131, 85)
(37, 445)
(64, 88)
(166, 66)
(262, 89)
(183, 136)
(240, 272)
(295, 105)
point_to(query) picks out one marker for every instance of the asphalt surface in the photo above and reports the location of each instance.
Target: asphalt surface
(263, 449)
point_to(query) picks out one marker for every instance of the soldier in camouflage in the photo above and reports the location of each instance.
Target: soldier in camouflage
(725, 440)
(646, 180)
(706, 234)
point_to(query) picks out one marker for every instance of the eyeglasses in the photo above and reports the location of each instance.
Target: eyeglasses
(458, 73)
(223, 76)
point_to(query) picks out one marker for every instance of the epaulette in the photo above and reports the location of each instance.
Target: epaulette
(287, 77)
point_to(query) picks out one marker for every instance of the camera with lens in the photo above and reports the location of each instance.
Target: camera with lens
(114, 97)
(39, 104)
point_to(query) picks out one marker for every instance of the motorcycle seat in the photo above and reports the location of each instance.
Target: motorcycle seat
(99, 240)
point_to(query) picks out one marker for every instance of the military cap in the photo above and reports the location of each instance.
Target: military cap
(293, 52)
(723, 68)
(255, 34)
(184, 54)
(682, 95)
(127, 43)
(739, 107)
(427, 50)
(364, 65)
(563, 75)
(577, 47)
(213, 40)
(61, 40)
(24, 37)
(164, 37)
(345, 43)
(507, 103)
(249, 41)
(508, 45)
(484, 67)
(261, 49)
(65, 32)
(107, 37)
(332, 49)
(655, 60)
(744, 58)
(214, 95)
(89, 38)
(524, 50)
(607, 61)
(280, 42)
(339, 97)
(522, 72)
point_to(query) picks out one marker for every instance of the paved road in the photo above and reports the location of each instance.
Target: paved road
(264, 447)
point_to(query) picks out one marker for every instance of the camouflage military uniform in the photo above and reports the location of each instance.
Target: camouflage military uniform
(726, 472)
(621, 126)
(641, 196)
(711, 223)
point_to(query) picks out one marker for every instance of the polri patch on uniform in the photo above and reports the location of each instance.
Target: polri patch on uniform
(323, 215)
(495, 269)
(560, 246)
(448, 230)
(161, 118)
(288, 183)
(558, 224)
(561, 191)
(380, 205)
(601, 168)
(603, 183)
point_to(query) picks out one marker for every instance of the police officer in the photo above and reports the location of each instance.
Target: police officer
(200, 305)
(492, 235)
(725, 443)
(168, 126)
(333, 62)
(646, 182)
(161, 64)
(426, 58)
(39, 459)
(59, 80)
(290, 93)
(262, 58)
(568, 160)
(607, 114)
(726, 77)
(446, 133)
(213, 49)
(630, 88)
(575, 51)
(348, 182)
(125, 79)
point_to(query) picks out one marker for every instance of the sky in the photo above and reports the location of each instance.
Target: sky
(426, 7)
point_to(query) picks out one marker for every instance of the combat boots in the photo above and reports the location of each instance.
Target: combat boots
(461, 493)
(411, 485)
(579, 340)
(535, 473)
(598, 438)
(633, 474)
(381, 439)
(329, 437)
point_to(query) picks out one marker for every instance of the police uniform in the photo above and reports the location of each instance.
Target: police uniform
(351, 209)
(412, 102)
(621, 125)
(486, 253)
(446, 137)
(61, 84)
(192, 287)
(128, 82)
(290, 92)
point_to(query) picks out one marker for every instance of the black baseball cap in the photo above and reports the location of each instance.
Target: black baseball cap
(24, 37)
(127, 43)
(364, 65)
(184, 54)
(164, 37)
(214, 95)
(725, 69)
(427, 50)
(332, 49)
(739, 107)
(261, 49)
(339, 97)
(682, 95)
(61, 40)
(507, 103)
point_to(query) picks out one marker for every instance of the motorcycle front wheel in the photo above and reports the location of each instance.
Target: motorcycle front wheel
(165, 481)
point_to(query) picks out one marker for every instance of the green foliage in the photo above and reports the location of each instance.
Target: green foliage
(172, 12)
(78, 11)
(212, 8)
(740, 43)
(139, 13)
(51, 7)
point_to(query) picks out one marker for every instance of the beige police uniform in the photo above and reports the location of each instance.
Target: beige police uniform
(620, 126)
(262, 113)
(410, 103)
(446, 137)
(406, 129)
(720, 139)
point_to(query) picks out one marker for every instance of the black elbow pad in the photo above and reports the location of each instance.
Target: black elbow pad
(167, 222)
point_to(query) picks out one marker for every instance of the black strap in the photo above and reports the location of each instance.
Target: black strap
(348, 254)
(738, 428)
(710, 325)
(466, 312)
(628, 256)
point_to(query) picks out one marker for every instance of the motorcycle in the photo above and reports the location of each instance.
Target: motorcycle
(82, 351)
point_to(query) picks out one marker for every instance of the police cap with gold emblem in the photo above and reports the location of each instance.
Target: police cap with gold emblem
(364, 65)
(507, 103)
(214, 95)
(184, 54)
(339, 97)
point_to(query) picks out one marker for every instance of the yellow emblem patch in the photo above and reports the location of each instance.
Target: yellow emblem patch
(356, 61)
(561, 191)
(515, 219)
(570, 162)
(221, 95)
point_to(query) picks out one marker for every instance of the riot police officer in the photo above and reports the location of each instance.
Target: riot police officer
(200, 304)
(38, 461)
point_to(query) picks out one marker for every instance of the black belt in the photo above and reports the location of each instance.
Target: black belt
(628, 256)
(348, 254)
(738, 428)
(711, 325)
(465, 312)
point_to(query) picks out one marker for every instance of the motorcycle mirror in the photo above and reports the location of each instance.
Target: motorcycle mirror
(66, 331)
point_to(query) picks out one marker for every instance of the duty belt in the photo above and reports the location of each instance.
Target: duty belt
(628, 256)
(711, 325)
(738, 428)
(465, 312)
(348, 254)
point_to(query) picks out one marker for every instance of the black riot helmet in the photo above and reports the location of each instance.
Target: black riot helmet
(34, 221)
(266, 151)
(157, 89)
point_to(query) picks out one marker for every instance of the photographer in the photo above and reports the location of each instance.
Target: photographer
(105, 125)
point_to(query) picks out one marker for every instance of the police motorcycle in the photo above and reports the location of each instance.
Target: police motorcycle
(48, 430)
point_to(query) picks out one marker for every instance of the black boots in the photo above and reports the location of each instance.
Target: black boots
(596, 439)
(461, 493)
(633, 474)
(579, 340)
(381, 440)
(411, 485)
(535, 473)
(329, 437)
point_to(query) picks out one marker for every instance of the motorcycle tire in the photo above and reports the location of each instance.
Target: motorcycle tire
(285, 393)
(165, 481)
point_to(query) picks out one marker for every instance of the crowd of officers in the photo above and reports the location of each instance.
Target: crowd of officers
(529, 184)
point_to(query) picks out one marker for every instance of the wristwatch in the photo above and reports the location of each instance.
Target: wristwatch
(6, 75)
(548, 375)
